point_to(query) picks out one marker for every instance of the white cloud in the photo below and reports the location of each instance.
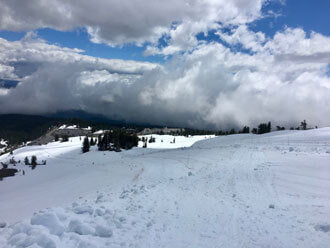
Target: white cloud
(287, 43)
(128, 21)
(242, 35)
(295, 42)
(284, 80)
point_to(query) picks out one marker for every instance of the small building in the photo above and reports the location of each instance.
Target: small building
(72, 131)
(99, 132)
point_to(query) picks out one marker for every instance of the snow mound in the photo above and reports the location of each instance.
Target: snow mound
(62, 228)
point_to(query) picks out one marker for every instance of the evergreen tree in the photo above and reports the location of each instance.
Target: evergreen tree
(99, 142)
(33, 161)
(245, 129)
(269, 127)
(85, 147)
(279, 128)
(232, 131)
(26, 161)
(303, 125)
(264, 128)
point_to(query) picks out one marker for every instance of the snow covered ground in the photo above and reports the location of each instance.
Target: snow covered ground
(244, 190)
(3, 145)
(171, 142)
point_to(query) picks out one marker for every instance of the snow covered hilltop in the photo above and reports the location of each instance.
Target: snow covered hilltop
(244, 190)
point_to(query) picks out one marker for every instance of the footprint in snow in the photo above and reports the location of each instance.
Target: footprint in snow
(323, 228)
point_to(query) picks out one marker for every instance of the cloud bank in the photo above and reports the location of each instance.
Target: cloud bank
(284, 78)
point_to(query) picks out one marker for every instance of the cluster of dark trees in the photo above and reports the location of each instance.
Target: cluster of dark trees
(145, 141)
(261, 129)
(8, 172)
(245, 129)
(112, 141)
(33, 162)
(87, 143)
(12, 161)
(150, 140)
(117, 140)
(188, 131)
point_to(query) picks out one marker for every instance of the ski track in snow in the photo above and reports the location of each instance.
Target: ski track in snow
(268, 190)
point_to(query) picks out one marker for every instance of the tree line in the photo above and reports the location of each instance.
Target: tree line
(261, 129)
(114, 140)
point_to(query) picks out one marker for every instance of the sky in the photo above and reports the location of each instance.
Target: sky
(200, 64)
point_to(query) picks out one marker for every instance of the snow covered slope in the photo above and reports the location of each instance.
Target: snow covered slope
(242, 190)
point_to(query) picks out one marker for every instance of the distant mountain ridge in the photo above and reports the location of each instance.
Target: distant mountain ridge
(97, 118)
(18, 128)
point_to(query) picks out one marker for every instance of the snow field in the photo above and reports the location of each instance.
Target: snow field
(166, 141)
(236, 191)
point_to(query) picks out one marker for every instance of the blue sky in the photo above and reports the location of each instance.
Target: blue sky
(79, 38)
(306, 14)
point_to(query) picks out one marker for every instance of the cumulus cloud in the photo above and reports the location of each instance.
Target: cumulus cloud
(284, 79)
(128, 21)
(203, 84)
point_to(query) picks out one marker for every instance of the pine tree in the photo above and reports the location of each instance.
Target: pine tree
(303, 125)
(245, 129)
(85, 147)
(269, 127)
(33, 161)
(264, 128)
(26, 161)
